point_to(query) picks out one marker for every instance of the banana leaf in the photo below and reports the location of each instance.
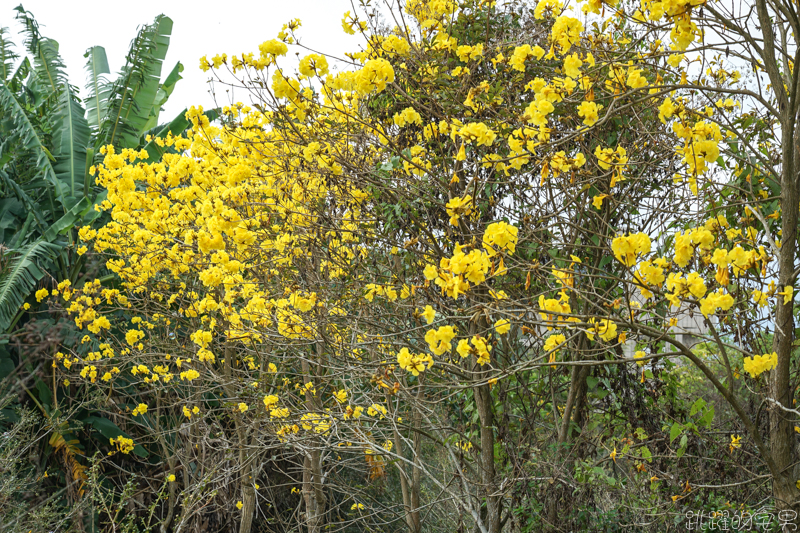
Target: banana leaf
(25, 268)
(24, 131)
(71, 136)
(133, 95)
(98, 86)
(48, 68)
(163, 94)
(7, 55)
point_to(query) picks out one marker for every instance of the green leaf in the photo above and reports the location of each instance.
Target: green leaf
(7, 55)
(98, 87)
(708, 417)
(70, 139)
(18, 79)
(48, 69)
(25, 268)
(133, 95)
(674, 431)
(163, 94)
(682, 449)
(45, 396)
(647, 454)
(28, 203)
(697, 406)
(67, 222)
(28, 136)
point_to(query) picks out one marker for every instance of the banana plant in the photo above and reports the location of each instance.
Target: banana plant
(50, 137)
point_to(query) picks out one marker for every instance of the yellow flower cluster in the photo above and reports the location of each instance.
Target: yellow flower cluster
(760, 363)
(679, 12)
(414, 362)
(605, 328)
(500, 236)
(716, 300)
(457, 272)
(554, 312)
(566, 31)
(479, 347)
(458, 207)
(439, 340)
(406, 117)
(609, 158)
(552, 345)
(626, 248)
(123, 444)
(522, 53)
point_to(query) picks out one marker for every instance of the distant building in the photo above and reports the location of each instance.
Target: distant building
(690, 330)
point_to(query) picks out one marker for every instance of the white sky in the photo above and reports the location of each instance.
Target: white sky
(200, 27)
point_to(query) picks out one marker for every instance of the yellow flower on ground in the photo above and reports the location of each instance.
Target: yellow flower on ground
(242, 407)
(171, 478)
(735, 442)
(239, 504)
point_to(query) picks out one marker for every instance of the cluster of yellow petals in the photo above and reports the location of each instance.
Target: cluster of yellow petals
(760, 363)
(627, 248)
(415, 363)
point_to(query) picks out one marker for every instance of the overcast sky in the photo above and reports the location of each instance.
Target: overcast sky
(200, 28)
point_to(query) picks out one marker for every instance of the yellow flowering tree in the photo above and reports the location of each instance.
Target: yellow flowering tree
(449, 243)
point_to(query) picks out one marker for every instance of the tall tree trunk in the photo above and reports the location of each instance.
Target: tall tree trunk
(407, 487)
(781, 422)
(313, 493)
(483, 400)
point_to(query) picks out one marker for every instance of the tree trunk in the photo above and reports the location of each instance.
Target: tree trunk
(483, 400)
